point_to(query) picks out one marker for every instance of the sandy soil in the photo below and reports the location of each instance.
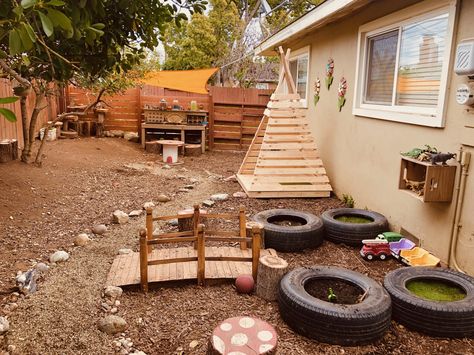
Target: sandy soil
(80, 184)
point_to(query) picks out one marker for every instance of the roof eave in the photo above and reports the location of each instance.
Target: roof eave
(318, 17)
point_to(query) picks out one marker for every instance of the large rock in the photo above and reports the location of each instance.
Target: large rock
(239, 194)
(99, 229)
(135, 213)
(131, 136)
(112, 324)
(113, 292)
(116, 133)
(148, 204)
(163, 198)
(219, 197)
(120, 217)
(81, 240)
(208, 203)
(59, 256)
(125, 251)
(4, 325)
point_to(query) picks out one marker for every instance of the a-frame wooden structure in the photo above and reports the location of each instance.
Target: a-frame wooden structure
(283, 160)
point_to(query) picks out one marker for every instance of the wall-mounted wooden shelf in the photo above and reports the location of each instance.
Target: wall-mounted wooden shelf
(435, 182)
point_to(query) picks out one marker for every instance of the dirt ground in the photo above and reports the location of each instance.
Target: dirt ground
(80, 184)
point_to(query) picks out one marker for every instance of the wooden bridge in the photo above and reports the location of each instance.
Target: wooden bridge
(193, 262)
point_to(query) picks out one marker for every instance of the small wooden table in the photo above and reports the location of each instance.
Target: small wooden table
(243, 335)
(171, 127)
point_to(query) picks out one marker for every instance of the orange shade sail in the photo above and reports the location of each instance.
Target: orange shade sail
(184, 80)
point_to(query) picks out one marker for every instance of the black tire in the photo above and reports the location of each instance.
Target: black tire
(287, 238)
(441, 319)
(344, 324)
(353, 233)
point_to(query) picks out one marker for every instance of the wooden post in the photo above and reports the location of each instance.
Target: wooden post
(256, 235)
(6, 151)
(149, 226)
(143, 260)
(196, 221)
(210, 121)
(242, 226)
(271, 269)
(14, 143)
(201, 251)
(248, 233)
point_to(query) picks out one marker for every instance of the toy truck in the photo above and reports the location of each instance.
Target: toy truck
(375, 248)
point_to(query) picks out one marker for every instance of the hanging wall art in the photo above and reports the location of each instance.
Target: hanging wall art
(329, 72)
(317, 90)
(341, 93)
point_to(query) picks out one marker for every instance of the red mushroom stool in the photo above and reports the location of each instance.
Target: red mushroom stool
(243, 336)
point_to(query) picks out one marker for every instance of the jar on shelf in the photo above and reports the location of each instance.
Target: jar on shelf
(163, 104)
(194, 105)
(176, 105)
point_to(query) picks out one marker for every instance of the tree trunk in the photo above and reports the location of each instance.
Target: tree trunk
(32, 128)
(24, 125)
(271, 269)
(14, 149)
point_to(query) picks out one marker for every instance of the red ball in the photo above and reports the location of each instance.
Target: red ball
(244, 284)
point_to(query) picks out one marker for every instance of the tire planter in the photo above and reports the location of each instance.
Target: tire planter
(453, 319)
(353, 233)
(343, 324)
(290, 238)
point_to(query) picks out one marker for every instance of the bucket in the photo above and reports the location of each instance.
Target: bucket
(170, 151)
(51, 134)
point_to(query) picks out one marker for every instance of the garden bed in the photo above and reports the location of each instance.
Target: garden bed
(81, 183)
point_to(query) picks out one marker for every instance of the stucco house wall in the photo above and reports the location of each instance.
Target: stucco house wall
(362, 155)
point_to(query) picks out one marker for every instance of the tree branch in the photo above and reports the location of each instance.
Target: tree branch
(14, 74)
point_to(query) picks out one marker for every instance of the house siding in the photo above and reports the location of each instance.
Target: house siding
(362, 155)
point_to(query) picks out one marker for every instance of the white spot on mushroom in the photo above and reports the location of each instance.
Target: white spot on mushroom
(265, 335)
(246, 322)
(239, 339)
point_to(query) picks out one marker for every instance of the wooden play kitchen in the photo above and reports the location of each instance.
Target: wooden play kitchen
(172, 119)
(199, 262)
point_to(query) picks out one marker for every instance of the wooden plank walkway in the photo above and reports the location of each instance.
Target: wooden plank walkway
(125, 270)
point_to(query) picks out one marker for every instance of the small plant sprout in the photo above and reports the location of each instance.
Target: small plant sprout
(331, 295)
(348, 201)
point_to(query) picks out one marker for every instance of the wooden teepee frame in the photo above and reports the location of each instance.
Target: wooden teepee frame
(282, 160)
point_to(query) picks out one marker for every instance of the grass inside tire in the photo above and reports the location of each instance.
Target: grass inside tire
(343, 324)
(307, 234)
(353, 233)
(453, 319)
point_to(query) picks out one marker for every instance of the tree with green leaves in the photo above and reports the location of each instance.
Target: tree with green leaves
(44, 41)
(5, 112)
(206, 40)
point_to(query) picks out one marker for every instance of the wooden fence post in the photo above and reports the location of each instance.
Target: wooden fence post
(242, 226)
(196, 221)
(256, 236)
(149, 226)
(201, 251)
(210, 123)
(143, 260)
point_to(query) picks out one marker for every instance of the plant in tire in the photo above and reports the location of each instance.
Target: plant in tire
(289, 230)
(351, 225)
(359, 323)
(452, 319)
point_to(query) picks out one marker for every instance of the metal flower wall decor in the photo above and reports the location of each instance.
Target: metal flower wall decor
(341, 93)
(329, 72)
(317, 90)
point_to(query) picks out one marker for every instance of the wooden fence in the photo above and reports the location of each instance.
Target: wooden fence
(9, 130)
(234, 113)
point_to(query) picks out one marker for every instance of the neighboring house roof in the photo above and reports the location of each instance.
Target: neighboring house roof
(329, 11)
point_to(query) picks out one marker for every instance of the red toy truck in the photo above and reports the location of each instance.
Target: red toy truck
(375, 248)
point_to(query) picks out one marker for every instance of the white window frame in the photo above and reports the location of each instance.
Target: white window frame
(432, 117)
(294, 55)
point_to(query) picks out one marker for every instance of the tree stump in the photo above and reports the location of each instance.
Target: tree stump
(243, 335)
(14, 144)
(5, 151)
(152, 147)
(271, 269)
(186, 224)
(192, 150)
(248, 231)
